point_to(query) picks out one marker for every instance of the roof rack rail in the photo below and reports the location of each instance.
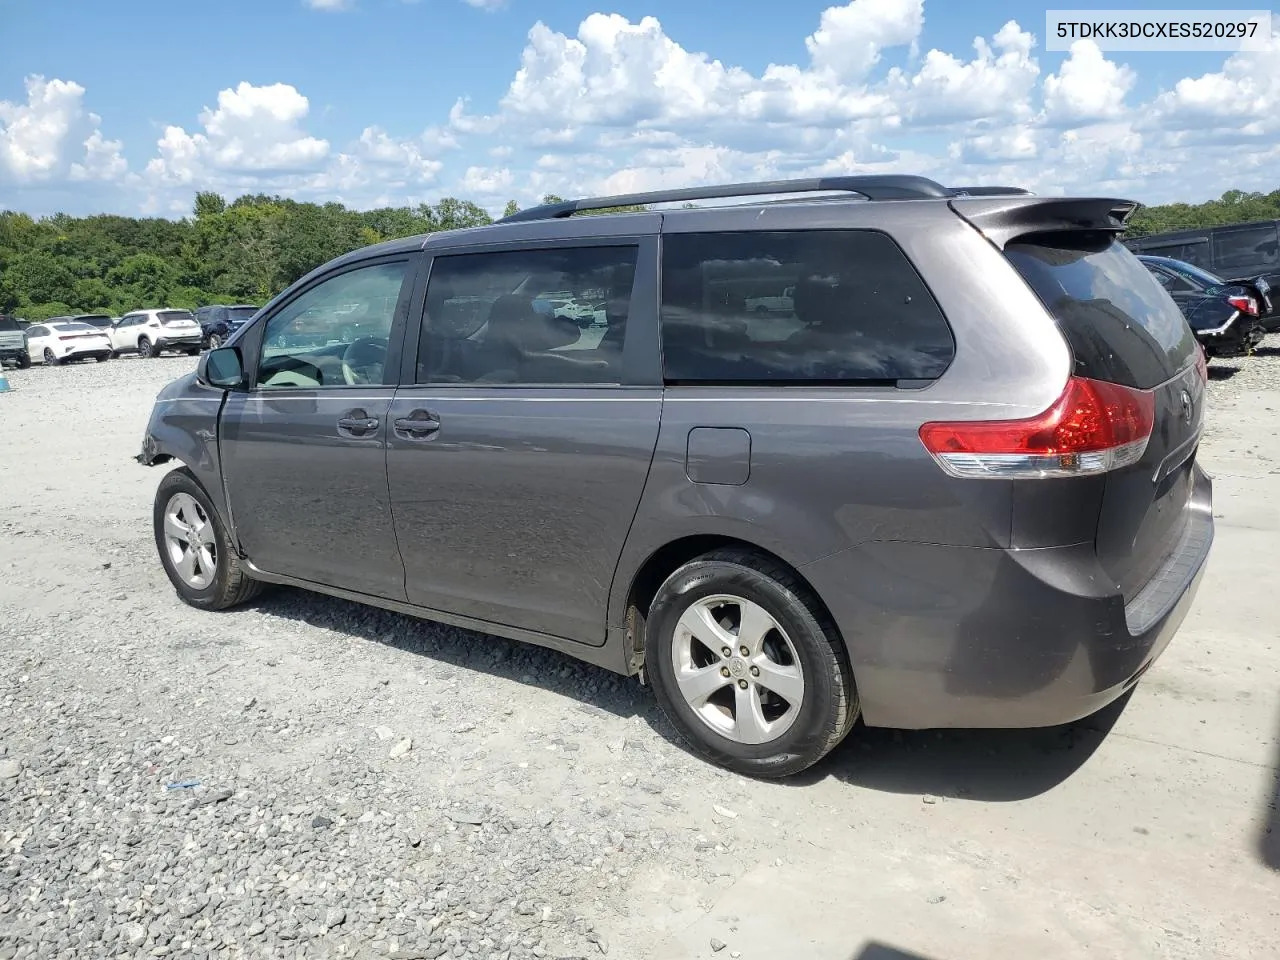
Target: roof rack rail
(873, 187)
(991, 192)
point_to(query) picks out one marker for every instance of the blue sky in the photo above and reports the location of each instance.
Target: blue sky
(133, 106)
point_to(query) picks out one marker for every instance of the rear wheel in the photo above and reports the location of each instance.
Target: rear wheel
(748, 666)
(103, 357)
(49, 359)
(145, 349)
(194, 548)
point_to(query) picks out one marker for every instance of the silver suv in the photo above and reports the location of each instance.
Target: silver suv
(954, 484)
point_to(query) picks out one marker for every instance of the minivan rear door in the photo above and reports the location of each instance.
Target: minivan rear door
(519, 441)
(1123, 328)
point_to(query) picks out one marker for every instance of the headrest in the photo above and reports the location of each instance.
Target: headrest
(817, 299)
(513, 320)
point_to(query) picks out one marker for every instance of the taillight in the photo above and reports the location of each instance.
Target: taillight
(66, 337)
(1244, 305)
(1091, 428)
(1202, 364)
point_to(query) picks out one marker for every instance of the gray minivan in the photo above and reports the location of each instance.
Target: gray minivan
(955, 484)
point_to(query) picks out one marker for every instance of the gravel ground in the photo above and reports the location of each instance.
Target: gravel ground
(305, 777)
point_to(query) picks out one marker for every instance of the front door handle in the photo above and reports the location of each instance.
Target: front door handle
(357, 423)
(418, 425)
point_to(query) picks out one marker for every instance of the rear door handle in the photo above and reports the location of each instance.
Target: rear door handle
(419, 425)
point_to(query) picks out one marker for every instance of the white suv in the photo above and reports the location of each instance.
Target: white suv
(150, 332)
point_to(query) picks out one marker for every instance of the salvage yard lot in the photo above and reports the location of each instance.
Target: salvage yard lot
(353, 783)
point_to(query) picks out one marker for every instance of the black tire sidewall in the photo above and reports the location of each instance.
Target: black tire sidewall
(179, 481)
(145, 349)
(807, 739)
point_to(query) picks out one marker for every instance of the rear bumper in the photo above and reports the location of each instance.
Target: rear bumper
(1234, 339)
(946, 636)
(185, 342)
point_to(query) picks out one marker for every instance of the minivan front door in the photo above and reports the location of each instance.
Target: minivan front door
(517, 461)
(304, 449)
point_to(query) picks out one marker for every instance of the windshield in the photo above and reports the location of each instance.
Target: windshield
(176, 316)
(1123, 327)
(73, 327)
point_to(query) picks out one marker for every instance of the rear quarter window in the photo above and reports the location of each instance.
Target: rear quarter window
(1121, 324)
(822, 306)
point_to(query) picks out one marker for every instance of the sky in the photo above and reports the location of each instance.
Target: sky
(132, 106)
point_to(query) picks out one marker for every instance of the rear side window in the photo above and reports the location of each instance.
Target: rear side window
(1122, 326)
(1247, 247)
(821, 306)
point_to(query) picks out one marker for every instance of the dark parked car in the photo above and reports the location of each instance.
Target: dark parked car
(956, 485)
(1225, 316)
(219, 321)
(100, 320)
(13, 343)
(1241, 252)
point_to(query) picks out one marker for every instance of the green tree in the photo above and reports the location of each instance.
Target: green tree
(511, 209)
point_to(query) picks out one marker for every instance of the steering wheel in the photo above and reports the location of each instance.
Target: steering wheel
(364, 360)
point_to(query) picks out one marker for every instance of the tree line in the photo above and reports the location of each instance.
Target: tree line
(248, 250)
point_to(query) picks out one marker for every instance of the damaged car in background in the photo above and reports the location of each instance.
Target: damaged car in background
(1228, 317)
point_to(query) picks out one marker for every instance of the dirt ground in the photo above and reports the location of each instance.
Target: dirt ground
(1149, 831)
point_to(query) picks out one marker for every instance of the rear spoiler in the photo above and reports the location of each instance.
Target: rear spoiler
(1005, 218)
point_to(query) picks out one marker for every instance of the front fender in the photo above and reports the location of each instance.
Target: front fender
(184, 427)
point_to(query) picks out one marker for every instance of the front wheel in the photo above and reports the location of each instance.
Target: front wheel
(214, 341)
(194, 547)
(145, 349)
(24, 361)
(49, 359)
(748, 666)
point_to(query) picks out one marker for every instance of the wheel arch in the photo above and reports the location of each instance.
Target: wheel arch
(669, 557)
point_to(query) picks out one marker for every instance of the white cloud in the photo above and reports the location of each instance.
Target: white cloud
(329, 5)
(1087, 87)
(849, 39)
(52, 137)
(253, 130)
(1243, 97)
(997, 82)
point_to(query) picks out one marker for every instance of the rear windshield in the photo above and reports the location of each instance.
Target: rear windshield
(9, 323)
(1123, 327)
(237, 314)
(97, 320)
(73, 327)
(175, 316)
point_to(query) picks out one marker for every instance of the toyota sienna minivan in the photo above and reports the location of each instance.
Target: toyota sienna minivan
(953, 484)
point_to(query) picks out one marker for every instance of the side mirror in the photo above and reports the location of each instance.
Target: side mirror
(221, 368)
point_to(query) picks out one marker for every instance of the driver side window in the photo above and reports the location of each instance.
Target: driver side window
(336, 333)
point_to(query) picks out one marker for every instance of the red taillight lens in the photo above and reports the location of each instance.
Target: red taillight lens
(1244, 305)
(66, 337)
(1202, 364)
(1091, 428)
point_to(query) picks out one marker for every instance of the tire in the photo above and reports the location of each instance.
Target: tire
(114, 354)
(227, 583)
(145, 350)
(103, 358)
(214, 341)
(50, 360)
(804, 634)
(194, 352)
(24, 361)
